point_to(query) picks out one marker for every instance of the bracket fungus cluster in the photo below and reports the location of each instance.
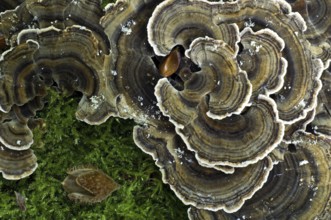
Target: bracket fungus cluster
(232, 98)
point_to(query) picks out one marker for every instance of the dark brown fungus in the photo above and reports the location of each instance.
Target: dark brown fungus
(303, 72)
(71, 72)
(220, 79)
(235, 141)
(262, 59)
(317, 17)
(321, 124)
(298, 188)
(88, 185)
(64, 13)
(15, 164)
(16, 135)
(133, 72)
(50, 43)
(216, 118)
(195, 185)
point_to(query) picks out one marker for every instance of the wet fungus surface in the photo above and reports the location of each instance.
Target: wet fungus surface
(231, 98)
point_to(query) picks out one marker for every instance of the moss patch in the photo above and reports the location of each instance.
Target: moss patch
(67, 142)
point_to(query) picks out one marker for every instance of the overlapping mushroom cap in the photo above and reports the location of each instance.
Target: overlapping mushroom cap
(50, 45)
(238, 78)
(221, 92)
(317, 17)
(202, 187)
(16, 164)
(133, 73)
(302, 180)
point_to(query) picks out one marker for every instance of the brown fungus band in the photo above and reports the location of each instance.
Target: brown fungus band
(222, 92)
(168, 28)
(48, 44)
(133, 72)
(202, 187)
(43, 63)
(302, 180)
(15, 165)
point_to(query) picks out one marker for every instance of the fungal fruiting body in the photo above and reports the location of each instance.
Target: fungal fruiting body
(88, 185)
(220, 116)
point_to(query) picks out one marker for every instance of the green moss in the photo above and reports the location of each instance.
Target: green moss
(67, 142)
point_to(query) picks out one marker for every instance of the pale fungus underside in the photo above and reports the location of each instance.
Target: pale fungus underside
(231, 98)
(88, 185)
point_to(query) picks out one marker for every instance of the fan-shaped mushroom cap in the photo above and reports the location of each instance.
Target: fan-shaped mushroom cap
(72, 58)
(66, 13)
(133, 72)
(317, 16)
(169, 26)
(33, 14)
(262, 59)
(227, 88)
(15, 135)
(16, 165)
(196, 185)
(236, 141)
(299, 187)
(322, 121)
(35, 53)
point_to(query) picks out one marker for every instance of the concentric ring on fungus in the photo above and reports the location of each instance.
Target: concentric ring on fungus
(41, 55)
(202, 187)
(224, 93)
(302, 180)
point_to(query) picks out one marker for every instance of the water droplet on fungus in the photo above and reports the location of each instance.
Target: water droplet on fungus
(88, 185)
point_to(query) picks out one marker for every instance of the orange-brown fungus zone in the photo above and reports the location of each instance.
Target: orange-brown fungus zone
(88, 185)
(171, 63)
